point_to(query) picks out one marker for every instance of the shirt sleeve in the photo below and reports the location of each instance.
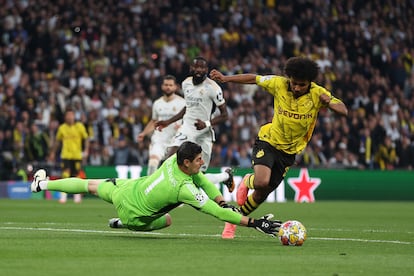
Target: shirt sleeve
(193, 196)
(208, 187)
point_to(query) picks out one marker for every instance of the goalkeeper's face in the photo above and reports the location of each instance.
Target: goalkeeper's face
(194, 166)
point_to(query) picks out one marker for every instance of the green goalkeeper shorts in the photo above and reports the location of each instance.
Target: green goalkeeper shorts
(115, 194)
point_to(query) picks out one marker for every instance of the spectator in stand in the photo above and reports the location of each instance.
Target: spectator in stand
(386, 156)
(405, 153)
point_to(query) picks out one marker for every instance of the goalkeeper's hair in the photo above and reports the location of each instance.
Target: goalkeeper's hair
(187, 150)
(301, 68)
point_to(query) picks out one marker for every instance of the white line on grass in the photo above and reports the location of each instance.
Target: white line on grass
(182, 234)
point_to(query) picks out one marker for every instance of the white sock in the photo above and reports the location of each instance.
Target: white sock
(217, 177)
(152, 165)
(43, 184)
(77, 198)
(63, 197)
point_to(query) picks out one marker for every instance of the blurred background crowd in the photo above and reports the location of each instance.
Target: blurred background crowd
(105, 59)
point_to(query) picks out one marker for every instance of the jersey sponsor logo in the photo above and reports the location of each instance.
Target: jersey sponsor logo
(293, 115)
(260, 154)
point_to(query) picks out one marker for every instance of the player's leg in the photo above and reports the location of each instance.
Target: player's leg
(70, 185)
(157, 151)
(75, 170)
(247, 202)
(65, 166)
(226, 177)
(259, 181)
(142, 224)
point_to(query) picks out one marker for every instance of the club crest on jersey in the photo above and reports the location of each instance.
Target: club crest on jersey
(260, 154)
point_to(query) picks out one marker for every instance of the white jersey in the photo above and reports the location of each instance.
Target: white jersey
(200, 99)
(199, 102)
(163, 110)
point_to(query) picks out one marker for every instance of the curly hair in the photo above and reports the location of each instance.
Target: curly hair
(301, 68)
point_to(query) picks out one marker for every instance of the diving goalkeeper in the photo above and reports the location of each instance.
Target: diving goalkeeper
(143, 204)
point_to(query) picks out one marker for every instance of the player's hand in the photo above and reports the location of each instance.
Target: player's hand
(216, 75)
(200, 124)
(159, 125)
(266, 225)
(325, 99)
(140, 137)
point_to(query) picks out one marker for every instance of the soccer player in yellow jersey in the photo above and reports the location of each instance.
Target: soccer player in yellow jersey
(72, 138)
(297, 101)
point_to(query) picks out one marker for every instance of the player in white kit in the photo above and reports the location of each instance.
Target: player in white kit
(202, 95)
(165, 107)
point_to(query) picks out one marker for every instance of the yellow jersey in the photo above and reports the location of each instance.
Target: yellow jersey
(71, 137)
(294, 119)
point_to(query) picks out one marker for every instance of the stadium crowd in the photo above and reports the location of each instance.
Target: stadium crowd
(105, 59)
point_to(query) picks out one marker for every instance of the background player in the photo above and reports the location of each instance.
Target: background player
(72, 140)
(202, 95)
(163, 108)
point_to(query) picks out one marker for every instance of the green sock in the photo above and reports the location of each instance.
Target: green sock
(71, 185)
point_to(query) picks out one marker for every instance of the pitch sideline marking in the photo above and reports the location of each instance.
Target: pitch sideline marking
(183, 234)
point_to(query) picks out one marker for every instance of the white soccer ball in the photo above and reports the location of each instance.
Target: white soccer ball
(292, 232)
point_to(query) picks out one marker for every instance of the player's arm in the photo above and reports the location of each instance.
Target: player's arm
(191, 195)
(238, 78)
(264, 224)
(333, 104)
(222, 117)
(161, 124)
(56, 144)
(86, 143)
(148, 129)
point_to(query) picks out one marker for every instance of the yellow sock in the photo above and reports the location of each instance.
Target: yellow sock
(249, 206)
(249, 182)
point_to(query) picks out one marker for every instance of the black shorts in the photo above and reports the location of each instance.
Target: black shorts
(278, 161)
(73, 166)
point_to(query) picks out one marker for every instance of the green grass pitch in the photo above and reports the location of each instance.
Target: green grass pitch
(40, 237)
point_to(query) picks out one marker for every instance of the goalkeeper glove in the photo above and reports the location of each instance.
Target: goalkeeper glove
(223, 204)
(266, 225)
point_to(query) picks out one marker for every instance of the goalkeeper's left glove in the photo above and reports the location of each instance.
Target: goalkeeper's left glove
(266, 225)
(224, 204)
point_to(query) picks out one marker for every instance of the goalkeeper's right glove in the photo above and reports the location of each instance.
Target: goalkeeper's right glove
(266, 225)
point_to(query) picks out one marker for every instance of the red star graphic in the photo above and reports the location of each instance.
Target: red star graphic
(304, 186)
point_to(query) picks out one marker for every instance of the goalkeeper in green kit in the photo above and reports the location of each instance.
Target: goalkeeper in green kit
(143, 204)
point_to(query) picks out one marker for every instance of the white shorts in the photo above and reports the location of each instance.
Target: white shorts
(203, 137)
(159, 145)
(158, 149)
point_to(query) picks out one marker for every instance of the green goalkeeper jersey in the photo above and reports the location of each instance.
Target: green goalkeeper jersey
(155, 195)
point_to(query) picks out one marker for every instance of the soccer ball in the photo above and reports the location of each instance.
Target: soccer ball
(292, 232)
